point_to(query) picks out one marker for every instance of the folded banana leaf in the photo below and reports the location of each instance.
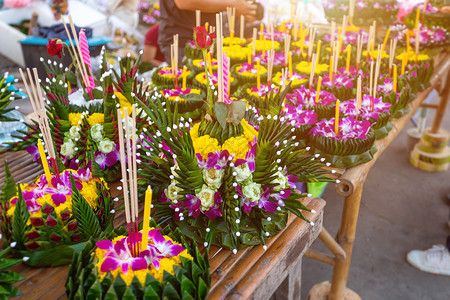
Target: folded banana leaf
(342, 147)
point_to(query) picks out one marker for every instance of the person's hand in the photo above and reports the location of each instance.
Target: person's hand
(243, 7)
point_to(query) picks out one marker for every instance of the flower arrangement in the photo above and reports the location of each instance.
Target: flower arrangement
(188, 100)
(166, 267)
(429, 36)
(296, 80)
(198, 65)
(48, 220)
(254, 94)
(84, 134)
(305, 99)
(304, 67)
(278, 60)
(167, 76)
(221, 174)
(248, 73)
(352, 144)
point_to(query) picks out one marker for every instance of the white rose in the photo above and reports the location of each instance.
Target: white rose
(213, 177)
(106, 146)
(252, 191)
(96, 132)
(206, 197)
(68, 149)
(242, 172)
(74, 132)
(172, 192)
(281, 180)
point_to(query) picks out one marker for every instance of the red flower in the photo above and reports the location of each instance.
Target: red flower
(202, 38)
(65, 215)
(55, 47)
(32, 245)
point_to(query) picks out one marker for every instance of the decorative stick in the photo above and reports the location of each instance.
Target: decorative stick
(146, 221)
(175, 54)
(219, 57)
(226, 76)
(197, 18)
(261, 31)
(394, 84)
(287, 46)
(385, 39)
(130, 174)
(311, 41)
(44, 162)
(351, 11)
(270, 58)
(124, 169)
(74, 52)
(417, 40)
(358, 96)
(336, 118)
(254, 42)
(371, 78)
(319, 44)
(241, 29)
(377, 73)
(319, 83)
(313, 70)
(392, 54)
(347, 64)
(74, 33)
(258, 75)
(358, 51)
(333, 29)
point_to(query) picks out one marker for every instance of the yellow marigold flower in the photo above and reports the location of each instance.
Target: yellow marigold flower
(233, 41)
(89, 192)
(263, 45)
(238, 52)
(74, 118)
(374, 54)
(206, 144)
(352, 28)
(11, 210)
(412, 56)
(297, 81)
(96, 118)
(238, 146)
(249, 131)
(194, 131)
(305, 67)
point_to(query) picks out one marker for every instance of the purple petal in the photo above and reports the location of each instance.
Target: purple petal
(58, 199)
(110, 264)
(124, 267)
(105, 245)
(111, 158)
(138, 264)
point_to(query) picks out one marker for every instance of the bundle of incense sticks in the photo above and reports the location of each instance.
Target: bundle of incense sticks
(128, 164)
(40, 111)
(76, 50)
(287, 46)
(359, 44)
(392, 46)
(312, 36)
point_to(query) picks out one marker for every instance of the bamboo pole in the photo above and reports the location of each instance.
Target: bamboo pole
(319, 256)
(440, 112)
(331, 244)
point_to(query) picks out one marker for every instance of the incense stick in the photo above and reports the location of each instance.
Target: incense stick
(197, 18)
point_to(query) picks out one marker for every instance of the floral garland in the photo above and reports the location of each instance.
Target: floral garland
(161, 255)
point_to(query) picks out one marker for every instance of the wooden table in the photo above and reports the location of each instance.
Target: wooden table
(351, 185)
(252, 273)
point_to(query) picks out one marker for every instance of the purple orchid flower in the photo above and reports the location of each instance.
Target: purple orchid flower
(192, 203)
(164, 248)
(34, 151)
(119, 255)
(247, 204)
(281, 196)
(215, 210)
(264, 202)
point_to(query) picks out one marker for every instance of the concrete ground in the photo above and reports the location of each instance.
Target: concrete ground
(402, 209)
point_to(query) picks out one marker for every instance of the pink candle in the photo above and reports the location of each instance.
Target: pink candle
(86, 58)
(226, 77)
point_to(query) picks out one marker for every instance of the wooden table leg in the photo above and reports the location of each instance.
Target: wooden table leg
(290, 288)
(345, 238)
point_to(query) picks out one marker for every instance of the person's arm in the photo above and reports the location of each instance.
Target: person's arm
(243, 7)
(150, 55)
